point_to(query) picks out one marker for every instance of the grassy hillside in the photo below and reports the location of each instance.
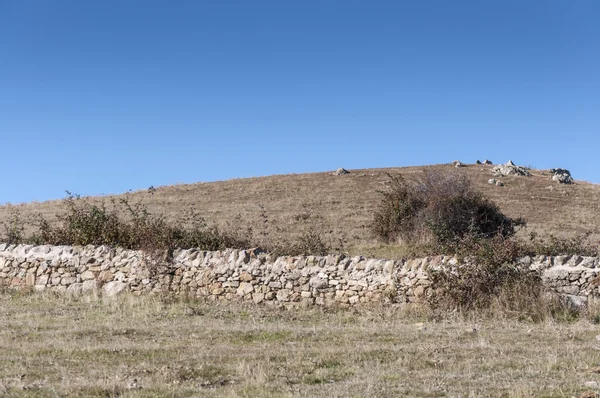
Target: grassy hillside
(344, 204)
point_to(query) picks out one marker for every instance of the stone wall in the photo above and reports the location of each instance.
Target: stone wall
(251, 275)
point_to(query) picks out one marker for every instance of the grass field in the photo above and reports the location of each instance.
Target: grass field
(149, 347)
(345, 204)
(145, 347)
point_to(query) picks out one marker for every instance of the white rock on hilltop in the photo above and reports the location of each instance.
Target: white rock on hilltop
(509, 169)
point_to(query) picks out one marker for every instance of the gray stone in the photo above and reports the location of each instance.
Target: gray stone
(75, 289)
(562, 176)
(114, 288)
(258, 297)
(283, 295)
(318, 282)
(245, 288)
(510, 169)
(89, 286)
(341, 171)
(41, 280)
(578, 302)
(87, 275)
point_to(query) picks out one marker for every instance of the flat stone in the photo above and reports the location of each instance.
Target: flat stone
(244, 288)
(245, 276)
(42, 280)
(88, 275)
(114, 288)
(258, 297)
(68, 280)
(75, 289)
(283, 295)
(318, 282)
(89, 286)
(30, 279)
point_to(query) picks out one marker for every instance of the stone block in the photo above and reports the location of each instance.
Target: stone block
(244, 288)
(114, 288)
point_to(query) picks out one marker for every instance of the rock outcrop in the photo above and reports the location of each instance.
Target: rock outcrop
(510, 169)
(562, 176)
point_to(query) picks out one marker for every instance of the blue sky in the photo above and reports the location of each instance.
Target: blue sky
(100, 97)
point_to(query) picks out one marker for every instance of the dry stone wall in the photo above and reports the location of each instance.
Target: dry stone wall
(254, 276)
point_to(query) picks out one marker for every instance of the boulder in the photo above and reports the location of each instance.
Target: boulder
(75, 289)
(341, 171)
(487, 162)
(562, 176)
(510, 169)
(114, 288)
(457, 163)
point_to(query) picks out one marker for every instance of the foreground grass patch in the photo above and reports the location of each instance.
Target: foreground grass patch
(148, 347)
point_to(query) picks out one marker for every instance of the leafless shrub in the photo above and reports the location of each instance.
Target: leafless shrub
(441, 205)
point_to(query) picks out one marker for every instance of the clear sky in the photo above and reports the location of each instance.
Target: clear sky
(100, 97)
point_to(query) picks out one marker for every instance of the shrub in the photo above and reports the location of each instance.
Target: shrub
(308, 241)
(440, 206)
(130, 226)
(14, 227)
(582, 244)
(397, 213)
(485, 271)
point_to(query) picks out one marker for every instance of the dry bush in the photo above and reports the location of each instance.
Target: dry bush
(309, 240)
(128, 225)
(486, 270)
(14, 227)
(488, 280)
(582, 244)
(122, 223)
(440, 205)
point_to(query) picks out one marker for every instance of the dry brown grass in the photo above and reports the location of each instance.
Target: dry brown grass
(142, 346)
(346, 202)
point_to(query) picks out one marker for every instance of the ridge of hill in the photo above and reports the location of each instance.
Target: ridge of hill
(344, 203)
